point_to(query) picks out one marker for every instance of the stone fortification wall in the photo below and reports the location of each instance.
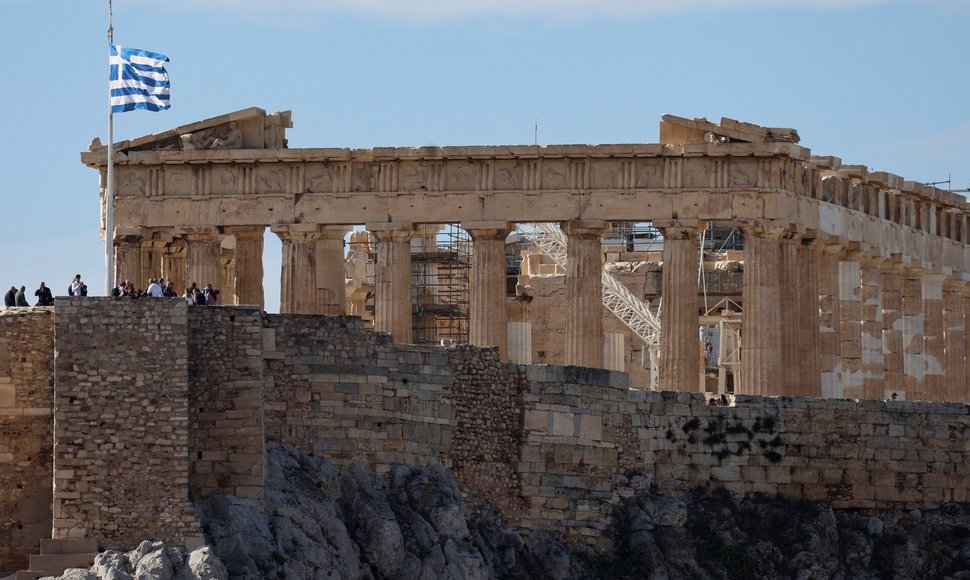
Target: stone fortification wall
(26, 432)
(121, 422)
(340, 391)
(587, 445)
(226, 432)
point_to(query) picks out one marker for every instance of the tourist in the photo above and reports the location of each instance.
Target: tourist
(169, 290)
(723, 401)
(211, 295)
(712, 402)
(10, 298)
(44, 296)
(22, 297)
(893, 397)
(197, 298)
(154, 289)
(77, 288)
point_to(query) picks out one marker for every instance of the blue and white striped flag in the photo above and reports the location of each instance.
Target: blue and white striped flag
(138, 79)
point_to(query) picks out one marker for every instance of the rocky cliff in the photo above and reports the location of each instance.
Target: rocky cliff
(318, 523)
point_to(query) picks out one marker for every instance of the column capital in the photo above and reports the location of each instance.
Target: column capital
(585, 228)
(201, 234)
(246, 232)
(484, 231)
(680, 229)
(307, 233)
(764, 229)
(391, 231)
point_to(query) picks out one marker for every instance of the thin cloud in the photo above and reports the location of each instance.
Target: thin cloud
(436, 10)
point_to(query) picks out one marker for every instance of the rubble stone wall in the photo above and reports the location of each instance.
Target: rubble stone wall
(121, 422)
(226, 433)
(26, 432)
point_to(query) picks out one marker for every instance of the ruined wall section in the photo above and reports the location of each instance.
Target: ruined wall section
(121, 422)
(26, 432)
(484, 450)
(226, 432)
(337, 390)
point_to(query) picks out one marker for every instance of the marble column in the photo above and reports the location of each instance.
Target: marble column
(679, 323)
(392, 279)
(249, 264)
(152, 250)
(761, 338)
(203, 253)
(806, 304)
(829, 345)
(487, 324)
(227, 267)
(174, 259)
(331, 270)
(891, 284)
(127, 257)
(306, 280)
(954, 342)
(931, 288)
(873, 360)
(850, 327)
(913, 368)
(584, 293)
(790, 384)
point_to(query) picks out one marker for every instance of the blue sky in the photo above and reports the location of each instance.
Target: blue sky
(882, 83)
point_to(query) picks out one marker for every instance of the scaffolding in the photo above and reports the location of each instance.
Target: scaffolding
(440, 263)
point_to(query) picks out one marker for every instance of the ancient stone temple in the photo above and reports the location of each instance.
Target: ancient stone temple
(845, 282)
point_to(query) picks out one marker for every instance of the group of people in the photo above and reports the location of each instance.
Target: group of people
(18, 298)
(159, 288)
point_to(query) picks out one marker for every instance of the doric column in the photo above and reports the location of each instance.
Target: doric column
(331, 281)
(913, 369)
(761, 320)
(249, 264)
(891, 283)
(312, 280)
(227, 268)
(829, 345)
(679, 322)
(152, 251)
(392, 279)
(203, 253)
(806, 303)
(790, 384)
(873, 363)
(174, 259)
(487, 323)
(850, 327)
(932, 291)
(954, 341)
(584, 293)
(127, 257)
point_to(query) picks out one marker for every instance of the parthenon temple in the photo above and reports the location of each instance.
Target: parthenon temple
(725, 258)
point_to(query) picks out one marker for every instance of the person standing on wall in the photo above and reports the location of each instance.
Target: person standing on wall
(10, 298)
(44, 296)
(22, 297)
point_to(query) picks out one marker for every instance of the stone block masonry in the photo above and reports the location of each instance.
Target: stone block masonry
(121, 422)
(156, 404)
(26, 432)
(226, 433)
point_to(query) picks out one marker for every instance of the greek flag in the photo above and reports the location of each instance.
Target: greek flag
(138, 79)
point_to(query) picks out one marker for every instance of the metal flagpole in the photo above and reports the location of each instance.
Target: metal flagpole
(109, 199)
